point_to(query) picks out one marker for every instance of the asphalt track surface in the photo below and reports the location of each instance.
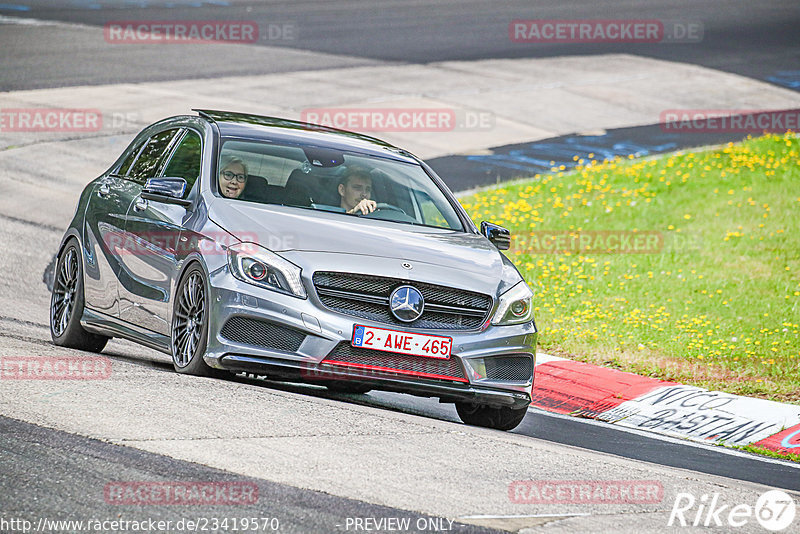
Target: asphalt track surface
(595, 436)
(756, 39)
(540, 157)
(60, 477)
(48, 472)
(760, 41)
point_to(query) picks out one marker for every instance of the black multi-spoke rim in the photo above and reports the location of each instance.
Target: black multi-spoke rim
(187, 326)
(64, 290)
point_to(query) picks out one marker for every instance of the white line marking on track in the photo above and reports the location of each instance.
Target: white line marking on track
(661, 437)
(570, 514)
(541, 357)
(21, 21)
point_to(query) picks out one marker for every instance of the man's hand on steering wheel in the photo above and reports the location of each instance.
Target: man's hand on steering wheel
(364, 207)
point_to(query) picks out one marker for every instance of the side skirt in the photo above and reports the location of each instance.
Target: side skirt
(100, 323)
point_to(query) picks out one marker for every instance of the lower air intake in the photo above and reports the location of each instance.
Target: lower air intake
(262, 334)
(510, 368)
(379, 362)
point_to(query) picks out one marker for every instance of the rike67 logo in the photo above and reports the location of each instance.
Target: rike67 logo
(774, 510)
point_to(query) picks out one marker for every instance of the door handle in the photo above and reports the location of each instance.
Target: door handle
(140, 204)
(103, 191)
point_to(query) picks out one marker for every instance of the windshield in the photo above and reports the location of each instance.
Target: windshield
(322, 179)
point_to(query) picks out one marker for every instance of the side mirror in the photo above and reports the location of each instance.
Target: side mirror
(166, 190)
(497, 235)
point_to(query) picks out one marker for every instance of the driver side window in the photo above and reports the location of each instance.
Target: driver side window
(186, 160)
(431, 215)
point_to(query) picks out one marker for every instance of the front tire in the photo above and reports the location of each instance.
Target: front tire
(490, 417)
(348, 387)
(190, 324)
(67, 302)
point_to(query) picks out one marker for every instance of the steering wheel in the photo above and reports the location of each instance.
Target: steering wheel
(389, 212)
(389, 207)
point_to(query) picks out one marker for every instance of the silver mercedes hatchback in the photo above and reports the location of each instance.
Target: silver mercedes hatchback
(241, 243)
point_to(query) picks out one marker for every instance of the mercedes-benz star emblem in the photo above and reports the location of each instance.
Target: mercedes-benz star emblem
(407, 265)
(406, 303)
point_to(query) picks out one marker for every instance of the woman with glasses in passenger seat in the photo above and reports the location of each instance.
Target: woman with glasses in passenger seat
(232, 176)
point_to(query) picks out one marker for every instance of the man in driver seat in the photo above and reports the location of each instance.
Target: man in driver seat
(355, 188)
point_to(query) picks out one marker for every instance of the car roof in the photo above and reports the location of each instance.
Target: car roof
(258, 127)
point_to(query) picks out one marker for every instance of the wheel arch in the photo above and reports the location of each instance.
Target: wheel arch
(71, 232)
(191, 260)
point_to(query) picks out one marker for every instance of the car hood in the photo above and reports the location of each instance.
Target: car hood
(284, 229)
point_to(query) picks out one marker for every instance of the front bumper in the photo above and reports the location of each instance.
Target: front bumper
(324, 330)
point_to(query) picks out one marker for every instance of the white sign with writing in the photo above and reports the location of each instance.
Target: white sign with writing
(702, 415)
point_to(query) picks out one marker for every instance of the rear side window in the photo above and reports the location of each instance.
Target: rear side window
(126, 165)
(152, 155)
(185, 161)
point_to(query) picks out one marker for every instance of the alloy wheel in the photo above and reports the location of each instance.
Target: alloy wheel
(187, 326)
(66, 285)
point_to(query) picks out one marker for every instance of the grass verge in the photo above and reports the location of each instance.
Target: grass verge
(684, 267)
(769, 452)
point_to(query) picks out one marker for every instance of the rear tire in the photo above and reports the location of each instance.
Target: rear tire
(489, 416)
(66, 303)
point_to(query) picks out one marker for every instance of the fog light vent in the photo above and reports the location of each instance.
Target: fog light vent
(514, 368)
(262, 334)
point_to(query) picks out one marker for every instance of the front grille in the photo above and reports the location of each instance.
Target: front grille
(367, 297)
(387, 362)
(262, 334)
(510, 368)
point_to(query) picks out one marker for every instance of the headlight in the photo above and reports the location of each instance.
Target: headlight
(256, 265)
(516, 306)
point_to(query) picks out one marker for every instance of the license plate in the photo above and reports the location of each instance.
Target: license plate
(425, 345)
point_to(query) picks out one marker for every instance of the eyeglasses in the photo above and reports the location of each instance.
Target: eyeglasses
(240, 178)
